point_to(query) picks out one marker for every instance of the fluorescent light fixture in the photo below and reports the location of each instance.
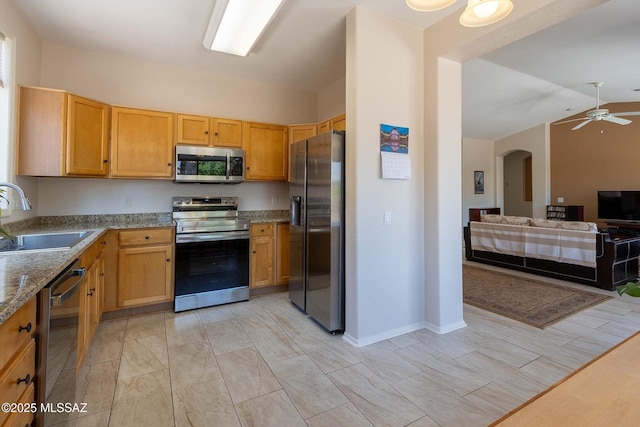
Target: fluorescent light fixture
(236, 25)
(429, 5)
(485, 12)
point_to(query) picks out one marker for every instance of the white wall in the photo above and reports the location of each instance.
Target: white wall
(477, 155)
(536, 141)
(385, 263)
(84, 196)
(513, 186)
(331, 100)
(138, 83)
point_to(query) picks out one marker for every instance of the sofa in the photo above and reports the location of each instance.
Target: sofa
(567, 250)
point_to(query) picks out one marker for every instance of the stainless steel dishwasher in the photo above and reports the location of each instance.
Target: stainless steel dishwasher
(58, 318)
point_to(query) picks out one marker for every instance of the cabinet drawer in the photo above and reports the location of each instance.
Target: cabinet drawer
(24, 418)
(262, 230)
(92, 252)
(150, 236)
(16, 377)
(17, 330)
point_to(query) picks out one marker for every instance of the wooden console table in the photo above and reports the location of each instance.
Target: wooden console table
(476, 213)
(604, 392)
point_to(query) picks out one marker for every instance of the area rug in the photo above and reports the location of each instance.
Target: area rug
(534, 302)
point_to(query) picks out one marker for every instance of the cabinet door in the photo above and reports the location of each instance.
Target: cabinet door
(142, 143)
(300, 132)
(324, 126)
(145, 275)
(339, 122)
(192, 130)
(261, 261)
(282, 254)
(87, 137)
(267, 152)
(227, 133)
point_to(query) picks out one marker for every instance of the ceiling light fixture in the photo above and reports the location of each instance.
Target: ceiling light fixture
(485, 12)
(236, 25)
(429, 5)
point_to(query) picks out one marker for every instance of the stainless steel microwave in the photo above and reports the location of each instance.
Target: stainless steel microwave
(209, 164)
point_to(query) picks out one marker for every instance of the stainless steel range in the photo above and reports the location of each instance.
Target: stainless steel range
(212, 252)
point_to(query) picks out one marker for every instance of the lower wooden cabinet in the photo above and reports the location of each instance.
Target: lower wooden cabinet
(91, 296)
(269, 261)
(145, 267)
(18, 360)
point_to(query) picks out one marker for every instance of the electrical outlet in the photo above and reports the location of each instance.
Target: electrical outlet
(127, 201)
(560, 199)
(387, 218)
(274, 200)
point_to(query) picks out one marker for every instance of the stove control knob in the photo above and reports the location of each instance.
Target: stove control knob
(187, 201)
(225, 201)
(177, 202)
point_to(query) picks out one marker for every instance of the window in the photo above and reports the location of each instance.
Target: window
(6, 121)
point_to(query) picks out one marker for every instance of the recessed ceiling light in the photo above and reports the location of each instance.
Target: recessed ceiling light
(236, 25)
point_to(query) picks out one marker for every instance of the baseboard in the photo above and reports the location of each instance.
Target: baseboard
(382, 336)
(445, 329)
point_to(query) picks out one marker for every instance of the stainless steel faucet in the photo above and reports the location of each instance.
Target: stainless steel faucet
(26, 204)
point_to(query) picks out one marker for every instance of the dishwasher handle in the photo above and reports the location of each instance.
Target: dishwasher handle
(58, 299)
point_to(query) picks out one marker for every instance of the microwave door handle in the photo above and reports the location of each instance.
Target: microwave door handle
(228, 165)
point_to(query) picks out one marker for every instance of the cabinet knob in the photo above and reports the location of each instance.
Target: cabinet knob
(168, 164)
(105, 161)
(206, 132)
(146, 237)
(25, 328)
(90, 294)
(254, 252)
(26, 380)
(102, 274)
(168, 259)
(216, 134)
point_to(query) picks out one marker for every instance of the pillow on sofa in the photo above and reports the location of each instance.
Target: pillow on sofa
(516, 220)
(546, 223)
(491, 218)
(579, 226)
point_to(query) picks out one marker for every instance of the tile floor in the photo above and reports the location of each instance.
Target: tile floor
(262, 363)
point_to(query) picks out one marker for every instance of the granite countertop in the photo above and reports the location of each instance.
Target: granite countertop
(23, 275)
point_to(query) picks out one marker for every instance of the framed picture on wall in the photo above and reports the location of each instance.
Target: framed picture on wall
(478, 182)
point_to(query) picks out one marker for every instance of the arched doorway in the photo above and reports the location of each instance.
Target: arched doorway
(517, 183)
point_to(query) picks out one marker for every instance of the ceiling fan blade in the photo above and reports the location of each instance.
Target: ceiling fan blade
(627, 113)
(582, 124)
(569, 121)
(617, 120)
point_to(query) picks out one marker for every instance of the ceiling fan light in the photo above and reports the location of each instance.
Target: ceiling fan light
(429, 5)
(485, 12)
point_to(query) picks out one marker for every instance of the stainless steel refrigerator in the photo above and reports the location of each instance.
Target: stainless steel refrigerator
(316, 283)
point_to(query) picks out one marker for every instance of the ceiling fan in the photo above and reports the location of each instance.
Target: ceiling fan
(601, 113)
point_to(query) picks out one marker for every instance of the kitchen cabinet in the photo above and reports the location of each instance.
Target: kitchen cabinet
(18, 361)
(267, 152)
(200, 130)
(262, 255)
(61, 134)
(141, 143)
(269, 261)
(145, 266)
(91, 290)
(300, 132)
(338, 122)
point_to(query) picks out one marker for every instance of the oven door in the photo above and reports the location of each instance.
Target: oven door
(211, 269)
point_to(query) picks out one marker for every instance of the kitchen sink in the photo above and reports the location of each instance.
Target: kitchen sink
(42, 242)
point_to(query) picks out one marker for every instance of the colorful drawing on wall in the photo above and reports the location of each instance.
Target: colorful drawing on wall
(478, 182)
(394, 139)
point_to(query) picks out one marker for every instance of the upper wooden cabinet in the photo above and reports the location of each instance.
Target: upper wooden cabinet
(141, 143)
(301, 132)
(61, 134)
(200, 130)
(336, 123)
(267, 152)
(339, 122)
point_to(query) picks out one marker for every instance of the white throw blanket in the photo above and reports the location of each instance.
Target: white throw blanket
(567, 246)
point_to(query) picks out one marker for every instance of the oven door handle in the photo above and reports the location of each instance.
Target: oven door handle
(211, 237)
(59, 299)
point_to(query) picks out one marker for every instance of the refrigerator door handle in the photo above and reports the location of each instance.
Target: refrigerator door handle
(295, 210)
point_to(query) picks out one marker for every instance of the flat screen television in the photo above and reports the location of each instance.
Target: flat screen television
(619, 205)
